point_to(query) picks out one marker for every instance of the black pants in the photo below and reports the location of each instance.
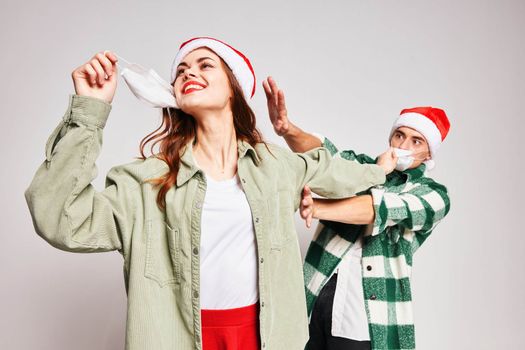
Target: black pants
(321, 324)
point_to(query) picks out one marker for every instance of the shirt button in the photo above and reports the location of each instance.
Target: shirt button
(373, 297)
(369, 268)
(243, 181)
(195, 294)
(264, 345)
(262, 304)
(256, 220)
(195, 250)
(198, 205)
(262, 260)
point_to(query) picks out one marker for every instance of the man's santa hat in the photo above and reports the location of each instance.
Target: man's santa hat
(238, 63)
(431, 122)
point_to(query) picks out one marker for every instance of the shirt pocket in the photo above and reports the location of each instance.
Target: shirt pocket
(282, 219)
(163, 260)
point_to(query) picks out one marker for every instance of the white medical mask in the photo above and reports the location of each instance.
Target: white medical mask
(404, 159)
(147, 85)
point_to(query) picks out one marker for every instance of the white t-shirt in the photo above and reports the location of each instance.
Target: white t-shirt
(228, 257)
(349, 318)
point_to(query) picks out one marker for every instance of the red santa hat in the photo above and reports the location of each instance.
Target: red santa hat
(238, 63)
(431, 122)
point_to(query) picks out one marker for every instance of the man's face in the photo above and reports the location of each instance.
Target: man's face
(409, 139)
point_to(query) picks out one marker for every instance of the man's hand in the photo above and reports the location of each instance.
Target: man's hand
(297, 139)
(388, 160)
(276, 107)
(307, 206)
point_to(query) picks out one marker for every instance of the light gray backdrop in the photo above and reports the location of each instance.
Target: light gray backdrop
(347, 68)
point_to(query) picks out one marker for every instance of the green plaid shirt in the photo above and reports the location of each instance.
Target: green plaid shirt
(407, 208)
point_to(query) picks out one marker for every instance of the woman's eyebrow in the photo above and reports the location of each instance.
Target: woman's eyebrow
(199, 60)
(204, 58)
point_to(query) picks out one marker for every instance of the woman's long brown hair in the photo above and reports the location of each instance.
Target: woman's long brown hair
(179, 128)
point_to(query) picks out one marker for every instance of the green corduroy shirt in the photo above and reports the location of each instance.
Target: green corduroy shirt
(161, 247)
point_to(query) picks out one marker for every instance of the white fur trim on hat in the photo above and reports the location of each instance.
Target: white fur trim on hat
(239, 64)
(423, 125)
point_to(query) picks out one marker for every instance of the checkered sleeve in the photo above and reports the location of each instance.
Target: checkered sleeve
(415, 211)
(326, 143)
(346, 154)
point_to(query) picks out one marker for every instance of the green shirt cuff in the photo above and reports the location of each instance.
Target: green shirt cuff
(379, 176)
(89, 110)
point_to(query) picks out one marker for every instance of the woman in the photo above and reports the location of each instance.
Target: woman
(206, 225)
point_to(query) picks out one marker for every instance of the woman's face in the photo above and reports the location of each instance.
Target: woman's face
(201, 82)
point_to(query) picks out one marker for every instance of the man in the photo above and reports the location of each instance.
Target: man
(358, 266)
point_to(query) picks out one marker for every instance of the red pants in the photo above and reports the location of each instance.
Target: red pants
(232, 329)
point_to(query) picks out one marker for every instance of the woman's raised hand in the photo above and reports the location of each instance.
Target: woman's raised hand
(97, 77)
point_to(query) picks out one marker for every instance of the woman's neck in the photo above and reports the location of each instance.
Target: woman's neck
(216, 145)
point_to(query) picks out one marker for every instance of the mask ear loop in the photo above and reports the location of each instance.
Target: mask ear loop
(120, 58)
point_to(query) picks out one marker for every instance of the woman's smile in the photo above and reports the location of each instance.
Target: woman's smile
(192, 86)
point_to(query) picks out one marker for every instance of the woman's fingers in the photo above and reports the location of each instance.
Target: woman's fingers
(90, 72)
(393, 154)
(106, 64)
(97, 77)
(111, 56)
(101, 75)
(103, 64)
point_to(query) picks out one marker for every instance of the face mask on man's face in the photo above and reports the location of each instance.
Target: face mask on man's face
(405, 158)
(148, 86)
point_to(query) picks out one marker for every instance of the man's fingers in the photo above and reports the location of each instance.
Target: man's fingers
(281, 103)
(302, 212)
(273, 85)
(305, 212)
(306, 191)
(267, 90)
(306, 201)
(307, 206)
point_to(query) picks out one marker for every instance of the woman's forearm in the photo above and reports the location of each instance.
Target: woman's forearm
(357, 210)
